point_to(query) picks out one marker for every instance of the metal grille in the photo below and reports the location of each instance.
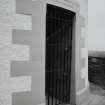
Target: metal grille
(58, 55)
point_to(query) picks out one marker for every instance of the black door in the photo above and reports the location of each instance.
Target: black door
(58, 54)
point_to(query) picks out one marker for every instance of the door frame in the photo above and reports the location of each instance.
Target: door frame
(76, 77)
(74, 9)
(72, 83)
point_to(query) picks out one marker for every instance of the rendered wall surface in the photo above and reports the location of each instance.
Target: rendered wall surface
(22, 52)
(82, 94)
(11, 52)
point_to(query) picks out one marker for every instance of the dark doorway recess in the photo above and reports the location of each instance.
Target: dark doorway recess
(59, 27)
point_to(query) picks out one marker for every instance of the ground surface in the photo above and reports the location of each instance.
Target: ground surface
(97, 96)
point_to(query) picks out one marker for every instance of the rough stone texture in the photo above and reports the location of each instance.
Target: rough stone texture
(9, 20)
(7, 7)
(96, 96)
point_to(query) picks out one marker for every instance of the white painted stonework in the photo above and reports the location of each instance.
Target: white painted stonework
(9, 20)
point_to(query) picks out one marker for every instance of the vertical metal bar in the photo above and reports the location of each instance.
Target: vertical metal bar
(69, 60)
(61, 58)
(62, 61)
(53, 59)
(71, 31)
(52, 55)
(68, 63)
(67, 38)
(54, 63)
(55, 72)
(59, 61)
(57, 67)
(58, 64)
(64, 44)
(66, 60)
(69, 69)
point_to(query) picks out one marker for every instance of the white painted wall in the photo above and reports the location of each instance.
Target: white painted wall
(82, 95)
(84, 37)
(10, 52)
(10, 19)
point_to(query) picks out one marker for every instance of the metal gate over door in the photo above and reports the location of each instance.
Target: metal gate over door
(59, 23)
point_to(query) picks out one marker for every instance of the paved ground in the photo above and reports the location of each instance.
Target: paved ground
(97, 96)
